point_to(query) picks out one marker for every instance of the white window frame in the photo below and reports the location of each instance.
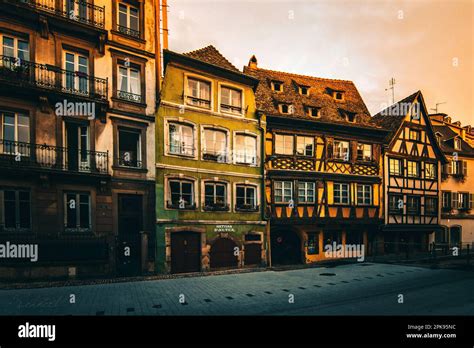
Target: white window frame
(128, 15)
(285, 142)
(410, 172)
(340, 189)
(188, 94)
(361, 195)
(16, 126)
(139, 147)
(366, 148)
(246, 133)
(304, 139)
(242, 99)
(166, 137)
(15, 45)
(129, 81)
(399, 166)
(307, 186)
(181, 180)
(215, 181)
(434, 172)
(227, 145)
(285, 185)
(338, 151)
(17, 227)
(77, 66)
(246, 184)
(273, 83)
(457, 144)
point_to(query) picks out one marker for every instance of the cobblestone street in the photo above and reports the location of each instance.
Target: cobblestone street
(344, 290)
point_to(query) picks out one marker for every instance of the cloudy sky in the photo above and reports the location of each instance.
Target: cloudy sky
(425, 45)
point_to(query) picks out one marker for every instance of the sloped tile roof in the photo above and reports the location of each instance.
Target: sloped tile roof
(211, 55)
(320, 96)
(447, 143)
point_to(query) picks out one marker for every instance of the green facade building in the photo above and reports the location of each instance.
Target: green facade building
(209, 197)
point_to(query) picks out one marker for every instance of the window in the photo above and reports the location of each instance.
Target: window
(77, 212)
(364, 152)
(415, 135)
(215, 196)
(16, 210)
(413, 169)
(283, 191)
(304, 90)
(304, 146)
(129, 144)
(199, 93)
(181, 194)
(181, 139)
(76, 10)
(338, 95)
(306, 192)
(15, 48)
(245, 149)
(341, 150)
(246, 198)
(457, 144)
(277, 86)
(331, 237)
(312, 247)
(76, 79)
(15, 133)
(284, 144)
(286, 109)
(313, 112)
(129, 87)
(446, 200)
(341, 193)
(395, 166)
(364, 194)
(430, 171)
(463, 200)
(215, 145)
(231, 100)
(413, 205)
(128, 20)
(431, 206)
(395, 204)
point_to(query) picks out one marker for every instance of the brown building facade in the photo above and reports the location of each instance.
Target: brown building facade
(77, 111)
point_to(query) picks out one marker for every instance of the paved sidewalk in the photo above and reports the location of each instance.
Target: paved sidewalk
(343, 290)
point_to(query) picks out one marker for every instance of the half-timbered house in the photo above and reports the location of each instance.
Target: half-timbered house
(323, 164)
(412, 168)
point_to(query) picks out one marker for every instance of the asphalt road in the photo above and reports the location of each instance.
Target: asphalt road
(354, 289)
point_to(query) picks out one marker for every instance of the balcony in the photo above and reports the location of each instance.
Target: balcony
(78, 11)
(15, 154)
(45, 77)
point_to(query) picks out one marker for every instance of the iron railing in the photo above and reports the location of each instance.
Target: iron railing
(131, 163)
(128, 31)
(76, 10)
(21, 154)
(23, 72)
(135, 98)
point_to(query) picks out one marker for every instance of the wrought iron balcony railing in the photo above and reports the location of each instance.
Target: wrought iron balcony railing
(27, 155)
(128, 31)
(76, 10)
(23, 72)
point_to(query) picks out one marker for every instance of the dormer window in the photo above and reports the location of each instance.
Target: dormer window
(277, 86)
(304, 90)
(348, 116)
(457, 144)
(438, 137)
(312, 111)
(286, 108)
(338, 95)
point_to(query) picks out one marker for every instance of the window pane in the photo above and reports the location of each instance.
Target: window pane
(123, 79)
(71, 206)
(84, 211)
(8, 46)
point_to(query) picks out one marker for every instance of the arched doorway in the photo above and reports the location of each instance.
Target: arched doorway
(286, 247)
(222, 253)
(185, 252)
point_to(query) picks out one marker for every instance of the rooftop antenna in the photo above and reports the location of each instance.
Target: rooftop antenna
(391, 83)
(436, 108)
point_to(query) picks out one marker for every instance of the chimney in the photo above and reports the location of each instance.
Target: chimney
(253, 63)
(457, 123)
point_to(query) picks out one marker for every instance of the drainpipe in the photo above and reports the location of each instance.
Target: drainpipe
(157, 51)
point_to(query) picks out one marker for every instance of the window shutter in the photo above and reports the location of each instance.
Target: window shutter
(471, 200)
(454, 200)
(353, 147)
(330, 147)
(449, 167)
(376, 152)
(464, 168)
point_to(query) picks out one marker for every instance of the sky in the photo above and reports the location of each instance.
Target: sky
(424, 45)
